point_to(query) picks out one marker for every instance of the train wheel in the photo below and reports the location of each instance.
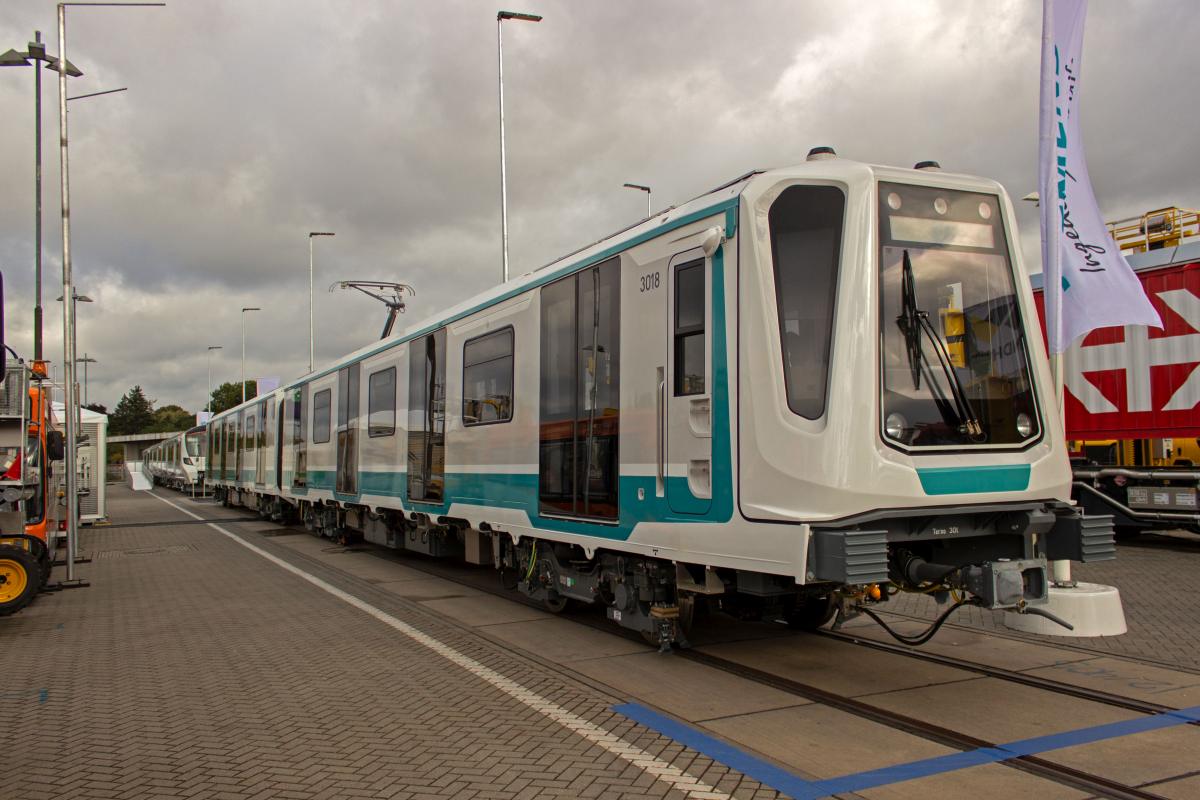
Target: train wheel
(20, 579)
(811, 613)
(555, 603)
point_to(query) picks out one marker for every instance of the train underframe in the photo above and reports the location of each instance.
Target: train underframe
(993, 557)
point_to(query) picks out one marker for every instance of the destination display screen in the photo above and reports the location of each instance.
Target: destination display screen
(942, 231)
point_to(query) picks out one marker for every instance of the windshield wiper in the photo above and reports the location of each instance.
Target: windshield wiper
(912, 323)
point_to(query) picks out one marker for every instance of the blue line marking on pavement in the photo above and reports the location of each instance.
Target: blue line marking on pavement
(783, 781)
(767, 774)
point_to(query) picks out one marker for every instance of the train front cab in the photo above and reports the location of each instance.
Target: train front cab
(892, 415)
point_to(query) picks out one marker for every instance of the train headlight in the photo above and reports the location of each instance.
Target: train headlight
(895, 425)
(12, 494)
(1024, 425)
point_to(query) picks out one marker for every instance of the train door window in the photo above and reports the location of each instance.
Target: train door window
(689, 328)
(806, 244)
(381, 403)
(580, 393)
(427, 417)
(320, 415)
(347, 430)
(488, 378)
(300, 436)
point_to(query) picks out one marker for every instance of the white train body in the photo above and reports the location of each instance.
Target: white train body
(718, 393)
(179, 461)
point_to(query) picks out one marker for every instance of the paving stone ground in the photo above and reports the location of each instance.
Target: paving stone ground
(192, 667)
(1156, 577)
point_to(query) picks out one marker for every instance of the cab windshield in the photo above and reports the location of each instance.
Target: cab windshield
(195, 445)
(955, 370)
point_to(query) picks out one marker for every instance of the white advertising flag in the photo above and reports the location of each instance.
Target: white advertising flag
(1088, 283)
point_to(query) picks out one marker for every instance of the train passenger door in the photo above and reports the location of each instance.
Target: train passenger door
(688, 385)
(580, 395)
(249, 439)
(300, 437)
(238, 435)
(279, 444)
(260, 465)
(347, 430)
(427, 418)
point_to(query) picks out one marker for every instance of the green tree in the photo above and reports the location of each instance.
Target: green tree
(99, 408)
(229, 394)
(133, 414)
(170, 418)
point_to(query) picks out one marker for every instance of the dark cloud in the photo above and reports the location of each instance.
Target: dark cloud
(249, 124)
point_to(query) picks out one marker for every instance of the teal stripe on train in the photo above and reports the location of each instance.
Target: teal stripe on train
(974, 480)
(520, 491)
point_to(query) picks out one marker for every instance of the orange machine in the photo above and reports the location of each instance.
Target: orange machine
(31, 455)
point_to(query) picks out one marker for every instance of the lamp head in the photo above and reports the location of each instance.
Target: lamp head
(53, 63)
(518, 16)
(13, 58)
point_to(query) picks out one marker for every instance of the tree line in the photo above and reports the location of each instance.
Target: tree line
(135, 413)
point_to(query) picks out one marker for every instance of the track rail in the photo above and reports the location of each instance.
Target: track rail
(1012, 676)
(1059, 773)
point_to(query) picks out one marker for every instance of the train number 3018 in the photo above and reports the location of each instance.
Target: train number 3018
(651, 282)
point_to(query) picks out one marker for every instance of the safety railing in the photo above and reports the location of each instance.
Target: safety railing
(1155, 230)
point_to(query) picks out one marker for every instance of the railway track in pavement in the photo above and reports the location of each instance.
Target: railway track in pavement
(1091, 783)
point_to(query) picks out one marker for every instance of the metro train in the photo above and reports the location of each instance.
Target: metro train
(789, 398)
(179, 461)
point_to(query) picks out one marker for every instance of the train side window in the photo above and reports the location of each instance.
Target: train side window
(320, 426)
(488, 378)
(806, 245)
(381, 403)
(689, 328)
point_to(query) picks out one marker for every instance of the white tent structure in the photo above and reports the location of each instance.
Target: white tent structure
(91, 463)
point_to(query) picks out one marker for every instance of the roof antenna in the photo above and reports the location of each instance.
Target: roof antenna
(379, 290)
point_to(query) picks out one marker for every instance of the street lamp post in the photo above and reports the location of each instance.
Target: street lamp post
(244, 310)
(85, 361)
(71, 426)
(73, 388)
(641, 188)
(500, 17)
(311, 329)
(12, 58)
(212, 347)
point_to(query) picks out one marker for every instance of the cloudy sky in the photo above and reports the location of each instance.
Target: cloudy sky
(249, 123)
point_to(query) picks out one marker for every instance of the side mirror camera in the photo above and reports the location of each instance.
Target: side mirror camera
(55, 450)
